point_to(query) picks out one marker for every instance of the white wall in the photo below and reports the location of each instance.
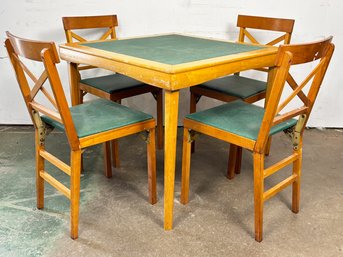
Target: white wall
(41, 20)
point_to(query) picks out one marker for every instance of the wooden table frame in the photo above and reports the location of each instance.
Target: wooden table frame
(171, 78)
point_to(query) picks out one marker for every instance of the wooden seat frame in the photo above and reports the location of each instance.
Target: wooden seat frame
(110, 22)
(46, 52)
(288, 55)
(245, 23)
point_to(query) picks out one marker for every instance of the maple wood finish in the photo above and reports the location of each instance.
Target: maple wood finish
(109, 22)
(317, 55)
(170, 77)
(245, 23)
(61, 114)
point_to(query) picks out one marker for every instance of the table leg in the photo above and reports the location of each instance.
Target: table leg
(74, 83)
(171, 108)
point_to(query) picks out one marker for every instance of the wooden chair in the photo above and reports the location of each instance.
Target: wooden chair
(249, 126)
(235, 87)
(85, 125)
(113, 87)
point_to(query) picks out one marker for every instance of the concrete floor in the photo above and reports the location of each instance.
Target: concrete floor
(116, 219)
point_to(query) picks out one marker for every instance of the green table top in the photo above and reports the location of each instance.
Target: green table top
(172, 49)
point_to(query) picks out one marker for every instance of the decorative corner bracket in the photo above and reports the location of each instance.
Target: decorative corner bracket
(43, 128)
(197, 98)
(295, 132)
(298, 130)
(192, 135)
(145, 136)
(154, 94)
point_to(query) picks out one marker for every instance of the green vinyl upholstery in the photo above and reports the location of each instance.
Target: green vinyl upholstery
(99, 116)
(112, 83)
(239, 118)
(237, 86)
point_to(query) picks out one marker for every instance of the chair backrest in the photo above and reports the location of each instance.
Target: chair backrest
(71, 24)
(245, 23)
(317, 54)
(18, 49)
(89, 22)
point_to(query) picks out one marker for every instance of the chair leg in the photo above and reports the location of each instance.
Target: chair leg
(75, 159)
(231, 167)
(159, 108)
(238, 160)
(151, 156)
(81, 97)
(269, 143)
(258, 194)
(193, 109)
(115, 153)
(296, 184)
(186, 163)
(193, 103)
(107, 159)
(39, 179)
(82, 164)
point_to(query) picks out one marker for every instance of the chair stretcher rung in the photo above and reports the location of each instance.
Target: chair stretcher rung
(279, 165)
(55, 161)
(86, 67)
(55, 183)
(276, 189)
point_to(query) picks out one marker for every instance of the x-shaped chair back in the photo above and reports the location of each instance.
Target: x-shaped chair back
(28, 49)
(288, 56)
(90, 22)
(246, 23)
(70, 24)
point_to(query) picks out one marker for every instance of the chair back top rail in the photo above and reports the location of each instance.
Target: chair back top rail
(87, 22)
(265, 23)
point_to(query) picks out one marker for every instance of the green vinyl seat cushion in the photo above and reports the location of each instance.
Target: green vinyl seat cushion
(237, 86)
(239, 118)
(99, 116)
(112, 83)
